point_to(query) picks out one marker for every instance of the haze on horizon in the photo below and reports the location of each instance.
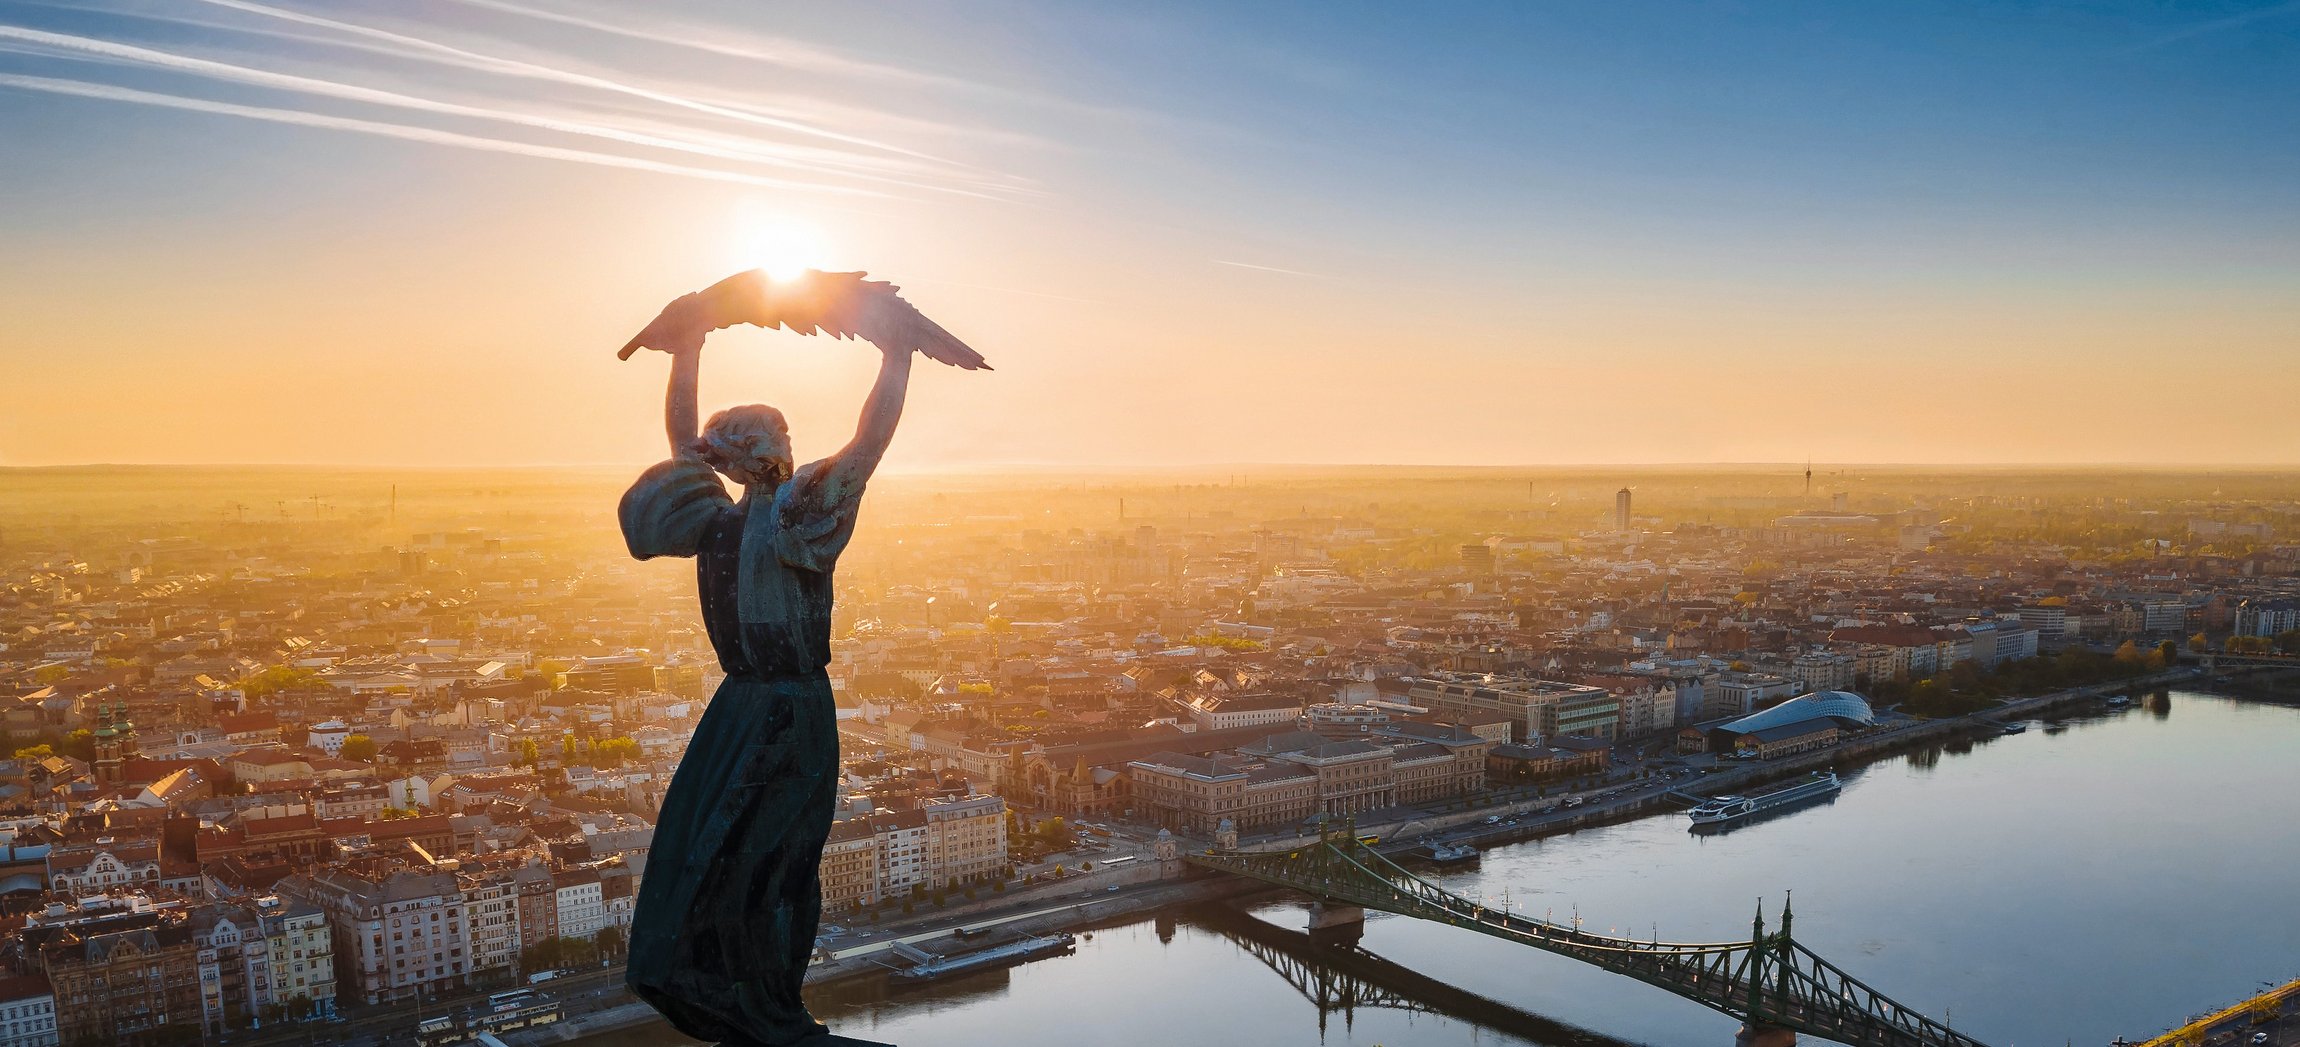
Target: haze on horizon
(292, 231)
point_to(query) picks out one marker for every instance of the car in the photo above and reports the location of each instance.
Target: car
(2259, 1037)
(1112, 889)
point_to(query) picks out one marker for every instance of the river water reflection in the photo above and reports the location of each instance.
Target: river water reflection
(2036, 889)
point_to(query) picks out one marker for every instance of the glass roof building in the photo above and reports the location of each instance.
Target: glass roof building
(1850, 709)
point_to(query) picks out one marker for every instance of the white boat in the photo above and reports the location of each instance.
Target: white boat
(2016, 727)
(1724, 810)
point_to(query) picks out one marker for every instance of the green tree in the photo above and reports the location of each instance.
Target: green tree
(2199, 642)
(359, 748)
(530, 753)
(41, 751)
(79, 745)
(613, 752)
(610, 941)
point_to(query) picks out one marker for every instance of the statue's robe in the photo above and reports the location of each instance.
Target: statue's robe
(731, 895)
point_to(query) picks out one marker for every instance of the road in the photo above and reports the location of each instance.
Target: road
(393, 1024)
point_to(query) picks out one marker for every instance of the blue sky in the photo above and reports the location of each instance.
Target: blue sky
(1205, 232)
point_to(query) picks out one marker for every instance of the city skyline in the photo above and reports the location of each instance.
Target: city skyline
(333, 234)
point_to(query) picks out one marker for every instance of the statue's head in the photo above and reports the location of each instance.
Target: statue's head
(750, 444)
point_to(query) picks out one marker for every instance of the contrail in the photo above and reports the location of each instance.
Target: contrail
(750, 152)
(791, 55)
(515, 67)
(416, 134)
(1271, 269)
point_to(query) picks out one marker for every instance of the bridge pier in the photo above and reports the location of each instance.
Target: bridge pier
(1332, 924)
(1759, 1035)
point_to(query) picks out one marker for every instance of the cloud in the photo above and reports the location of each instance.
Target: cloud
(411, 133)
(790, 54)
(811, 161)
(2216, 26)
(435, 51)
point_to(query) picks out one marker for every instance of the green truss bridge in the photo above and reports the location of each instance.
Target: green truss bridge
(1776, 987)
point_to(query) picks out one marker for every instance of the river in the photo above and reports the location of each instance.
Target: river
(2036, 889)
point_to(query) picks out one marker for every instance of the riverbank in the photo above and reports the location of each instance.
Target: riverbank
(1082, 907)
(637, 1023)
(1475, 828)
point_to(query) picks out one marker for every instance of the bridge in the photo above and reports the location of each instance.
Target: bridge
(1776, 987)
(1343, 979)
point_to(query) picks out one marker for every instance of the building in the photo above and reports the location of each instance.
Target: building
(1785, 740)
(850, 866)
(2264, 617)
(1287, 778)
(1514, 763)
(131, 987)
(1823, 670)
(1229, 712)
(103, 866)
(491, 918)
(396, 936)
(27, 1012)
(581, 905)
(538, 905)
(1621, 511)
(902, 851)
(1537, 709)
(262, 962)
(1761, 732)
(965, 839)
(1737, 694)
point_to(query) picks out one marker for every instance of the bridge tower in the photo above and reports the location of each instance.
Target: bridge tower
(1756, 1032)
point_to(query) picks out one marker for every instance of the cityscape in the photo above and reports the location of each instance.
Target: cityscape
(362, 764)
(1019, 523)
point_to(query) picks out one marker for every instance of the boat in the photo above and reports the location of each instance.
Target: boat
(923, 965)
(1447, 853)
(1725, 810)
(2120, 701)
(2016, 727)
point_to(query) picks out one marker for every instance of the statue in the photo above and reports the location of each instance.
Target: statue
(727, 913)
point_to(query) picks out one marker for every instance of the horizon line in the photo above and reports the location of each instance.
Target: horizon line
(1799, 466)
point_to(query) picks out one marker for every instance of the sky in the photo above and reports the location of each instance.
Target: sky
(1524, 233)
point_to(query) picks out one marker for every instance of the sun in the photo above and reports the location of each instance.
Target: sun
(783, 245)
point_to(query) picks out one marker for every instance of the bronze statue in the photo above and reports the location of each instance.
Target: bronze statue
(728, 908)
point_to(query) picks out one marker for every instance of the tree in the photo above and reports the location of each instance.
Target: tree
(610, 940)
(79, 745)
(359, 748)
(2127, 651)
(2199, 642)
(529, 752)
(41, 751)
(613, 752)
(278, 678)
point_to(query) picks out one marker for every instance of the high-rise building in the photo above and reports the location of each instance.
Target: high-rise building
(1621, 510)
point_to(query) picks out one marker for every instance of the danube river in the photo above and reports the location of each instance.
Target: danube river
(2036, 889)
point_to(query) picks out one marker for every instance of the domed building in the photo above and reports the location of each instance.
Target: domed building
(1805, 722)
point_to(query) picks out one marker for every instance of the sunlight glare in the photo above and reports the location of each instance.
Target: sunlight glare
(782, 245)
